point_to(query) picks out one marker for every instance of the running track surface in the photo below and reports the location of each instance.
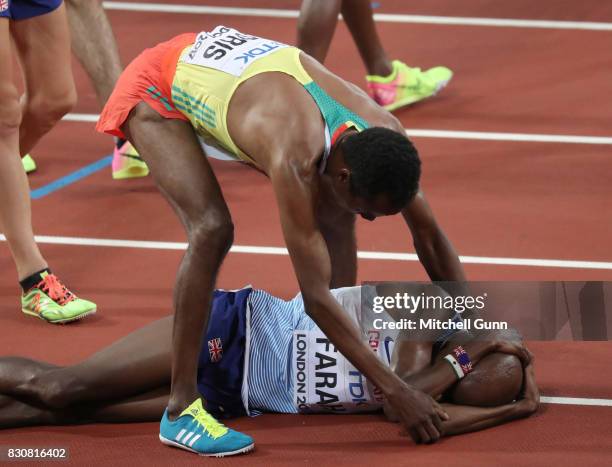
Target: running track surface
(493, 198)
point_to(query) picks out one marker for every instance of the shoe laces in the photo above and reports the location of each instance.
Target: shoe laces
(211, 426)
(57, 291)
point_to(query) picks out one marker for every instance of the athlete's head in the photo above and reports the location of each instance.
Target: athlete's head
(380, 174)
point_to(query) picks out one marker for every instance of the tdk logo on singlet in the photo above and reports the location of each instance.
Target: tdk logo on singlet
(261, 50)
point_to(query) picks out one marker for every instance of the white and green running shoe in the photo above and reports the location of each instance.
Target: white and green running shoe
(51, 301)
(406, 85)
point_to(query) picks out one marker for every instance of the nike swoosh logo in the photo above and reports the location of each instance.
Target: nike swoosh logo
(388, 340)
(129, 156)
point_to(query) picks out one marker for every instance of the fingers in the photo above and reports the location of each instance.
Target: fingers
(426, 432)
(423, 435)
(432, 431)
(531, 357)
(441, 412)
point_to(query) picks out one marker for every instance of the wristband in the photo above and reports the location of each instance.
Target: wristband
(463, 359)
(455, 366)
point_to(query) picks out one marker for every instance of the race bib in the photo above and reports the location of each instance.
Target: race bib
(326, 382)
(228, 50)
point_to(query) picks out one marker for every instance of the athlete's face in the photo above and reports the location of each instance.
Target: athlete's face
(369, 209)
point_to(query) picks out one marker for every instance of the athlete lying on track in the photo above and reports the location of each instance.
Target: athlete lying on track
(264, 354)
(330, 152)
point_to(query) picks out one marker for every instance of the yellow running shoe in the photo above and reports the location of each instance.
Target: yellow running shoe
(127, 163)
(28, 163)
(51, 301)
(405, 85)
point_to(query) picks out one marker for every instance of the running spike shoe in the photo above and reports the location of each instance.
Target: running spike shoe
(127, 163)
(28, 163)
(406, 85)
(51, 301)
(197, 431)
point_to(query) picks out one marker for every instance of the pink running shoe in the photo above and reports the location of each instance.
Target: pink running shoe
(405, 85)
(127, 163)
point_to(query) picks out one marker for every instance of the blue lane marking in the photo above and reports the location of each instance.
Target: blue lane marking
(71, 178)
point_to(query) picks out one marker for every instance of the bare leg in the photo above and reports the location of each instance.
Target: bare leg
(15, 413)
(43, 46)
(184, 176)
(94, 45)
(146, 407)
(135, 364)
(316, 26)
(15, 213)
(359, 18)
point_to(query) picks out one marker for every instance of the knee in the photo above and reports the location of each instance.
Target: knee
(213, 231)
(46, 109)
(10, 110)
(56, 389)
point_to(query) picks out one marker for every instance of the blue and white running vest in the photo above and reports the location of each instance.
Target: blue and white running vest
(291, 366)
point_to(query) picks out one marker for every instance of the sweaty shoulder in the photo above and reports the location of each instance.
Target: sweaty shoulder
(272, 118)
(349, 95)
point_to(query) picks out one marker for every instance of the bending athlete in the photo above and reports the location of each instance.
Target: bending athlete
(330, 152)
(264, 354)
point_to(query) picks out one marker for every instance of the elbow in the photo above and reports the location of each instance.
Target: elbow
(314, 300)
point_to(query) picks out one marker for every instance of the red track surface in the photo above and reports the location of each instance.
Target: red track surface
(524, 200)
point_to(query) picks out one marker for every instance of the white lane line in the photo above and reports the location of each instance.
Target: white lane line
(576, 401)
(424, 133)
(381, 17)
(280, 251)
(524, 137)
(93, 118)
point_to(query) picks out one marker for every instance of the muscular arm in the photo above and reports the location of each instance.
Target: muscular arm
(432, 246)
(431, 379)
(296, 186)
(434, 249)
(464, 419)
(338, 230)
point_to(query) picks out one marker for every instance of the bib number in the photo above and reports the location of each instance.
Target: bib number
(324, 381)
(228, 50)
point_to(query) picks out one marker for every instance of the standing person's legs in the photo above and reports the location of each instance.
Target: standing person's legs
(185, 177)
(392, 84)
(43, 46)
(94, 44)
(316, 26)
(359, 18)
(15, 214)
